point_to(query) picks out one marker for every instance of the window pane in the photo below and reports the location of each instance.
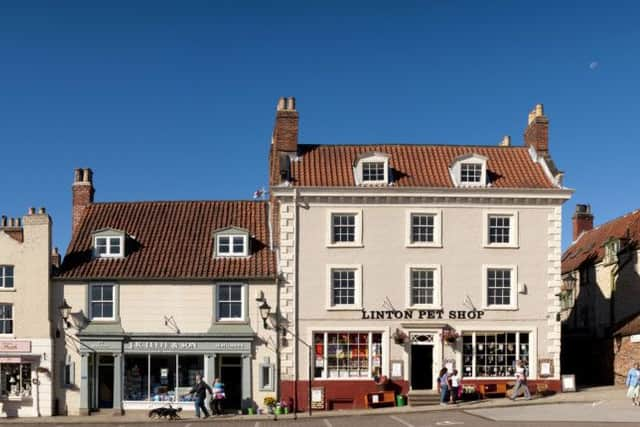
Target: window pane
(236, 293)
(422, 228)
(344, 227)
(107, 309)
(224, 292)
(96, 309)
(499, 229)
(96, 293)
(238, 245)
(266, 377)
(223, 244)
(499, 287)
(343, 287)
(470, 172)
(114, 245)
(107, 293)
(373, 171)
(136, 377)
(188, 368)
(236, 310)
(163, 378)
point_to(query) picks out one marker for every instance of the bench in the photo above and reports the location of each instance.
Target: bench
(342, 401)
(492, 389)
(382, 398)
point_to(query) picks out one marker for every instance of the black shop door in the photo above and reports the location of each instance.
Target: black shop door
(231, 376)
(421, 367)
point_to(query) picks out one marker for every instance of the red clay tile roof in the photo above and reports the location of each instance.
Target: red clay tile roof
(412, 165)
(590, 245)
(171, 240)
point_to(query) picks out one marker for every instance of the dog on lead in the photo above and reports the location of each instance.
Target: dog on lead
(165, 412)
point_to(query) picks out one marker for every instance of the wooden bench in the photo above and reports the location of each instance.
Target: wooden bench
(384, 398)
(492, 389)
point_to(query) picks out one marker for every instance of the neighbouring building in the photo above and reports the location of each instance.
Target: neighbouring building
(26, 346)
(153, 293)
(601, 298)
(398, 260)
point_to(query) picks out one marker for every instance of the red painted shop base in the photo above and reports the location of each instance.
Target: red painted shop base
(338, 394)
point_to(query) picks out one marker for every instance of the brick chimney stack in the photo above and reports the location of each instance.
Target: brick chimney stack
(285, 131)
(536, 134)
(82, 191)
(582, 220)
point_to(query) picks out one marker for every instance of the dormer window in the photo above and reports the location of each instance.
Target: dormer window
(469, 170)
(108, 243)
(470, 173)
(373, 172)
(371, 168)
(231, 242)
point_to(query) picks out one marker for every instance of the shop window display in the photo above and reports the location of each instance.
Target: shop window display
(151, 377)
(493, 354)
(15, 380)
(163, 378)
(136, 377)
(347, 354)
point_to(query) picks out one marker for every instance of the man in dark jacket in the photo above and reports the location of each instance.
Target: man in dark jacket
(200, 390)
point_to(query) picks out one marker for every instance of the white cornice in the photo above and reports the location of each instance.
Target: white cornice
(397, 192)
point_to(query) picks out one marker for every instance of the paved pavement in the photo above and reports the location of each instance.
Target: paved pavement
(598, 406)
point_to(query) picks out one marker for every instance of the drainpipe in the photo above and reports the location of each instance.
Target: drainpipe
(296, 297)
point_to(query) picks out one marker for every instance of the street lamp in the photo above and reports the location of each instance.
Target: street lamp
(65, 311)
(569, 281)
(265, 310)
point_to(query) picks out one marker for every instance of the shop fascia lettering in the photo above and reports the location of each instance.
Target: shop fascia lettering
(163, 346)
(184, 346)
(421, 314)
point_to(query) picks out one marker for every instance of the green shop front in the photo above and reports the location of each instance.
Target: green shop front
(130, 372)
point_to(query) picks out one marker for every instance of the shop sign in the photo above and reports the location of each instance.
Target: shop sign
(15, 346)
(421, 314)
(186, 346)
(10, 360)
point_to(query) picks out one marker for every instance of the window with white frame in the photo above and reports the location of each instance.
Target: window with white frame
(6, 319)
(501, 284)
(102, 301)
(232, 245)
(423, 228)
(373, 172)
(470, 173)
(500, 229)
(422, 286)
(343, 287)
(343, 227)
(6, 276)
(493, 354)
(230, 302)
(355, 354)
(266, 376)
(106, 246)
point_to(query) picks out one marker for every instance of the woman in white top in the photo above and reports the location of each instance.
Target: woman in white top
(521, 382)
(455, 385)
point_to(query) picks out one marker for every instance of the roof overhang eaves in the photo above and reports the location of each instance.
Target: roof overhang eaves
(147, 279)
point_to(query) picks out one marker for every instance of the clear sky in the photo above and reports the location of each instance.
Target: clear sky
(175, 100)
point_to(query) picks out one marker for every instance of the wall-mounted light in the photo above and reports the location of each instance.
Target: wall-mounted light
(65, 312)
(265, 310)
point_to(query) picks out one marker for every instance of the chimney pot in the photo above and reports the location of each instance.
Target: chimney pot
(77, 175)
(285, 130)
(42, 211)
(536, 134)
(82, 193)
(3, 221)
(32, 211)
(582, 220)
(506, 141)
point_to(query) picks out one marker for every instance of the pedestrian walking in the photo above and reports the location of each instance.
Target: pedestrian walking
(443, 386)
(521, 382)
(455, 385)
(633, 382)
(217, 397)
(200, 389)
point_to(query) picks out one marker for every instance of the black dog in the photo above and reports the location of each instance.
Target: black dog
(165, 412)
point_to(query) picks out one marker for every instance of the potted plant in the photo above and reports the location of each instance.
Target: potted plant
(269, 402)
(450, 335)
(399, 336)
(285, 406)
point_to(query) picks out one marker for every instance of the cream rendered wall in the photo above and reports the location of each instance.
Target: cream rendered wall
(142, 310)
(384, 258)
(30, 298)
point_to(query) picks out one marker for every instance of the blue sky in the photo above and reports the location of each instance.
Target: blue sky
(175, 100)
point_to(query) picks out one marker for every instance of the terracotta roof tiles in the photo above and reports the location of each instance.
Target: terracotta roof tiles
(412, 165)
(171, 240)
